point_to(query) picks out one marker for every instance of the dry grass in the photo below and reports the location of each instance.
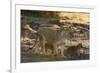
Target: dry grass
(79, 17)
